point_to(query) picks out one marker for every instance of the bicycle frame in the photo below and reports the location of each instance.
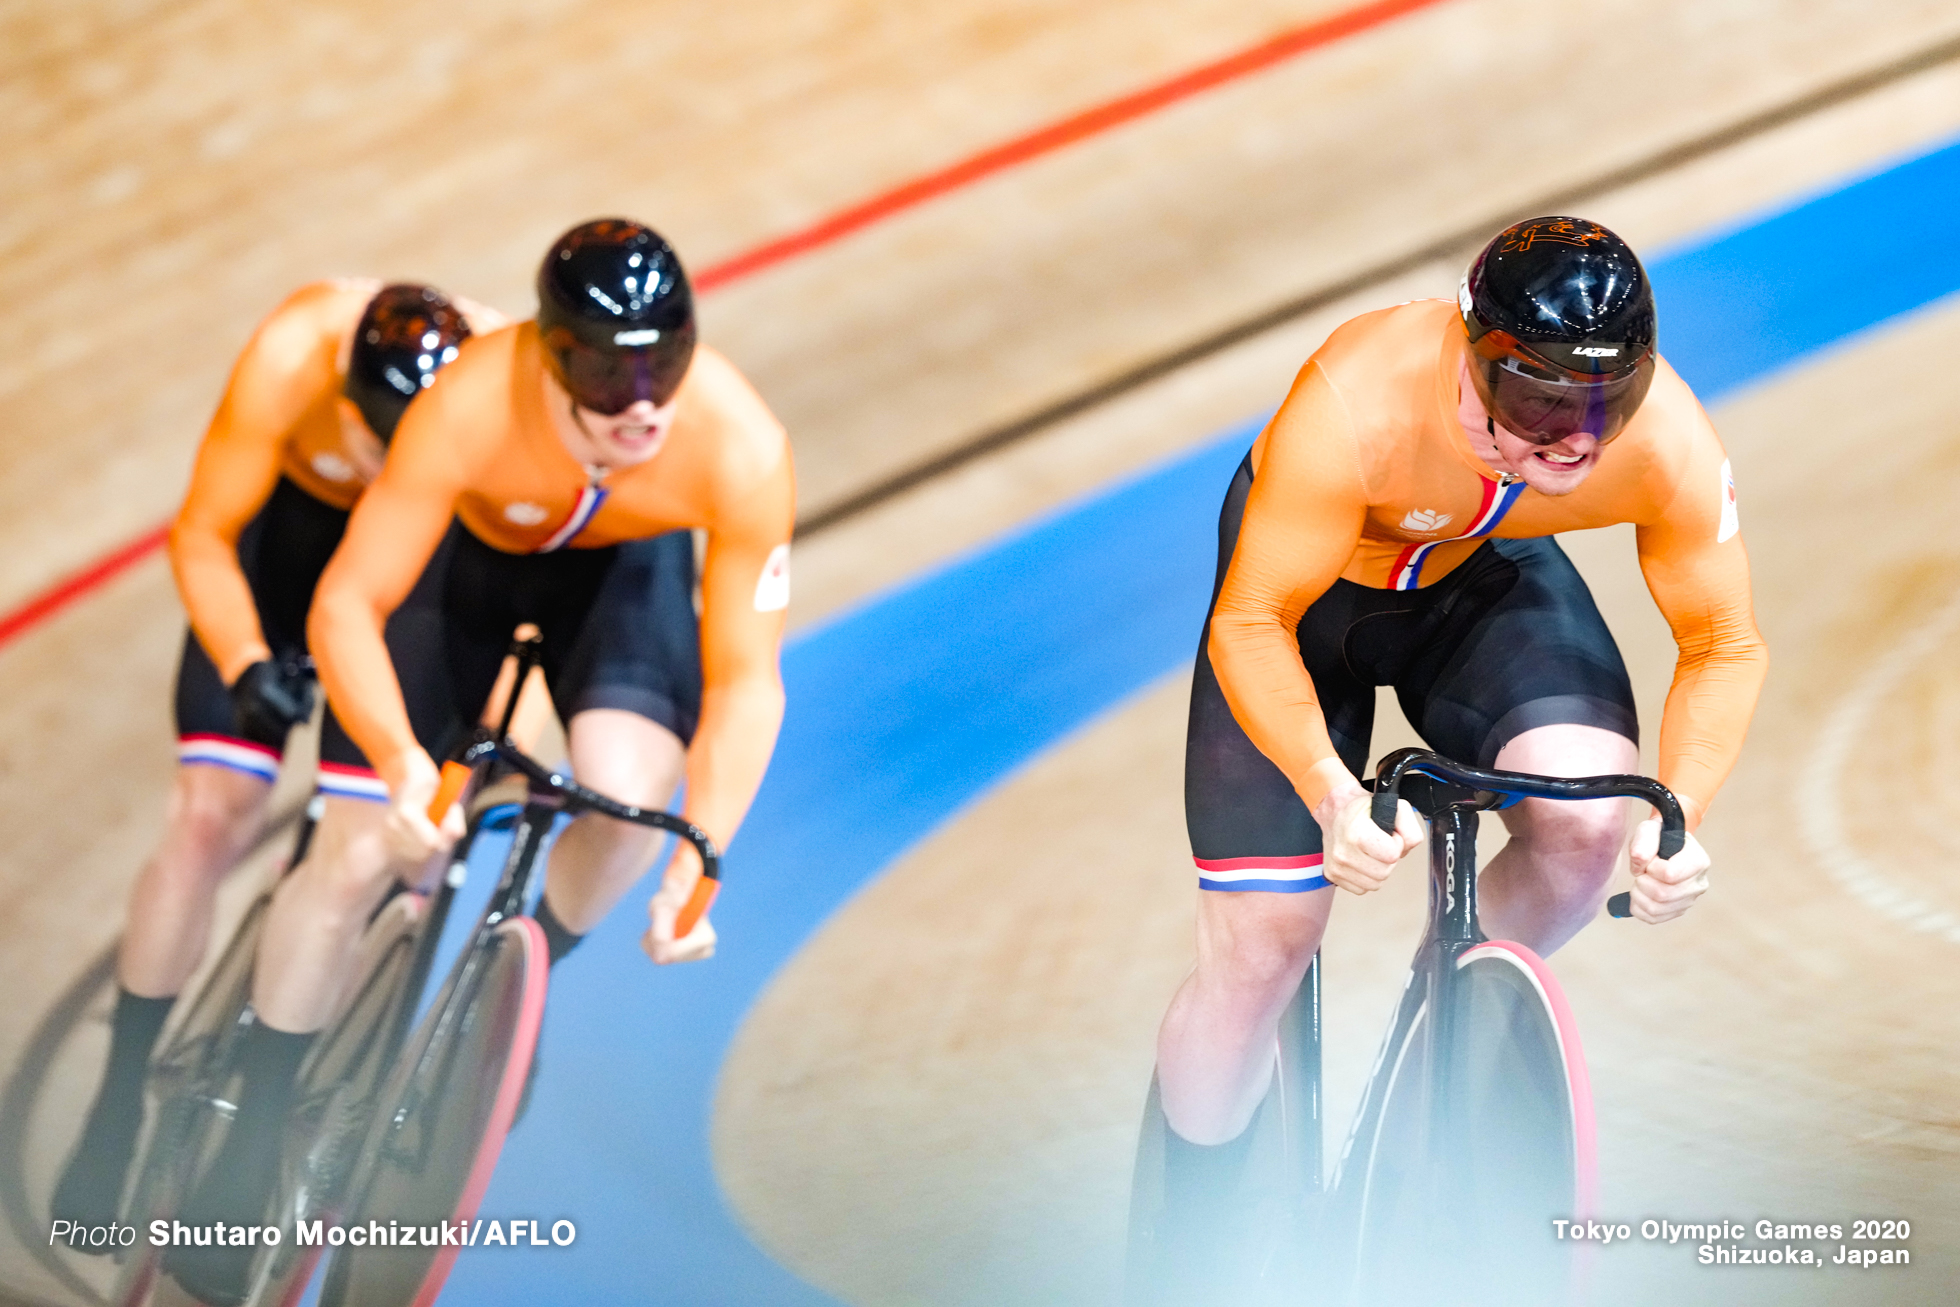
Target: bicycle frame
(1451, 797)
(422, 1086)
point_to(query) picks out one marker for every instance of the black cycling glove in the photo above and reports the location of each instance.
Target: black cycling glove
(268, 699)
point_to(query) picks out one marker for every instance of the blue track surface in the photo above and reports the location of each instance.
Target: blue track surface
(913, 705)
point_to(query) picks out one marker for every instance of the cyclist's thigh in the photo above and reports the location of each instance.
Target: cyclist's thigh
(206, 736)
(1524, 647)
(297, 534)
(1249, 830)
(418, 648)
(639, 649)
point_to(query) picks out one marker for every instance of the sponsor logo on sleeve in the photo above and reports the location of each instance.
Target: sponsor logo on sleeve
(772, 587)
(1729, 523)
(523, 514)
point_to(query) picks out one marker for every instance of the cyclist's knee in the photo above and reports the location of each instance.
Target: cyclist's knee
(215, 812)
(348, 867)
(1258, 945)
(626, 756)
(1585, 838)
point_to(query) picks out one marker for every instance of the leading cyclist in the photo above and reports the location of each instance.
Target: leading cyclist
(1393, 526)
(575, 455)
(309, 409)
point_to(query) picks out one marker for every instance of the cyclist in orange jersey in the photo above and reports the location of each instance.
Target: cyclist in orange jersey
(1393, 526)
(300, 432)
(563, 464)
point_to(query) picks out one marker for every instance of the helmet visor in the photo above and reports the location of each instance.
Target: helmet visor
(1544, 408)
(1540, 402)
(610, 381)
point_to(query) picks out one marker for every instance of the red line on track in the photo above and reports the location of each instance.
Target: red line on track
(66, 591)
(825, 231)
(1114, 113)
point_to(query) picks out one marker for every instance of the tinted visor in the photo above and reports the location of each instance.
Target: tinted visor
(610, 381)
(1544, 407)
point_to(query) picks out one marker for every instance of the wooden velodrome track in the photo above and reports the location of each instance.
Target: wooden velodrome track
(934, 1101)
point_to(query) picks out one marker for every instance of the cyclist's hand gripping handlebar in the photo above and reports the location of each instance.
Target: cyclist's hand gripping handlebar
(1674, 836)
(576, 796)
(1521, 785)
(455, 776)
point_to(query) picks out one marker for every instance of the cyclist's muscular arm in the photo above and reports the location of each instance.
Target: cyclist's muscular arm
(1701, 584)
(742, 617)
(394, 530)
(1302, 522)
(282, 370)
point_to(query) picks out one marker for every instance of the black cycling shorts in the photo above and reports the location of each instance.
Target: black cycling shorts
(282, 551)
(618, 625)
(1509, 641)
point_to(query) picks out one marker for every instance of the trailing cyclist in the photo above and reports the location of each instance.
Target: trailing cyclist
(1393, 526)
(563, 465)
(310, 407)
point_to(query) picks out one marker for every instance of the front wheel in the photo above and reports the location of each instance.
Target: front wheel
(443, 1119)
(1524, 1151)
(1455, 1176)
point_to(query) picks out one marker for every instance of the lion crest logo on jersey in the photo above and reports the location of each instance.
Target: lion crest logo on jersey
(1426, 521)
(524, 514)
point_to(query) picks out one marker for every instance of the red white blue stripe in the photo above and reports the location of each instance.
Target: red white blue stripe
(589, 499)
(1497, 501)
(229, 752)
(1274, 875)
(344, 782)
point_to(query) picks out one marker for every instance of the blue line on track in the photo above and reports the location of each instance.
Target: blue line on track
(911, 706)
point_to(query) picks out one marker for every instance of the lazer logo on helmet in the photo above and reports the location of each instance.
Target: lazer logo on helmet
(638, 338)
(1596, 352)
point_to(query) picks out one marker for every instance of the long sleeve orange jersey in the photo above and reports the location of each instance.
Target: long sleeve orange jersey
(1366, 474)
(282, 415)
(479, 445)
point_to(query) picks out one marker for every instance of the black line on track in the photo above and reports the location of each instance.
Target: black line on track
(1456, 245)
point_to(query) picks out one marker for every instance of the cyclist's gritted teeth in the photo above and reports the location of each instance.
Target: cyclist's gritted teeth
(1562, 459)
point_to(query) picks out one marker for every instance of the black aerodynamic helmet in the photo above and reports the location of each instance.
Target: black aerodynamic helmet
(1561, 324)
(406, 334)
(615, 315)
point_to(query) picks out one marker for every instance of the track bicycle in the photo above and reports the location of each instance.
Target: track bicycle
(446, 1109)
(1476, 1125)
(194, 1076)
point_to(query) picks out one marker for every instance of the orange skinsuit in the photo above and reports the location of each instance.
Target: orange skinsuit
(1367, 457)
(282, 414)
(479, 445)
